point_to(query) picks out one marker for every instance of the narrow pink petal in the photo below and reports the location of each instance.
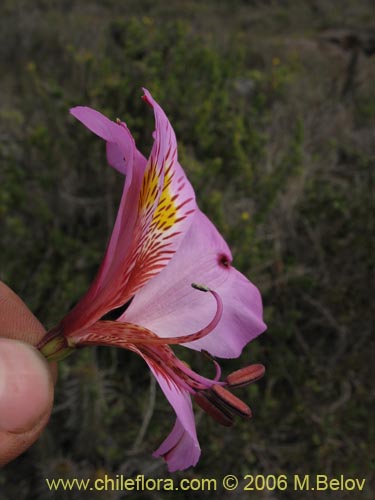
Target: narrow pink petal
(103, 294)
(178, 398)
(179, 449)
(156, 210)
(120, 144)
(115, 157)
(166, 206)
(169, 306)
(96, 122)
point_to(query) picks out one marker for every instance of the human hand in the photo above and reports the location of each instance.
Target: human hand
(26, 379)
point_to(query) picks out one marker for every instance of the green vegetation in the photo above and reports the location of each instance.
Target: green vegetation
(273, 117)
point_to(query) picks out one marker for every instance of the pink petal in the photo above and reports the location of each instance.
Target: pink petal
(166, 206)
(155, 211)
(120, 144)
(96, 302)
(179, 449)
(169, 306)
(115, 157)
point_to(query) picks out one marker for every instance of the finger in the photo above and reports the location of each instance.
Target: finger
(18, 322)
(26, 397)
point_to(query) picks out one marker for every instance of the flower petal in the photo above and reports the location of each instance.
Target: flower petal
(179, 449)
(155, 211)
(101, 296)
(168, 305)
(166, 205)
(115, 157)
(120, 144)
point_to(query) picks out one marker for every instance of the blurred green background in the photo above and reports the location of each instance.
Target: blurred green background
(273, 105)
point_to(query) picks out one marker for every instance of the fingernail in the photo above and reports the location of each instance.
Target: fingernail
(25, 386)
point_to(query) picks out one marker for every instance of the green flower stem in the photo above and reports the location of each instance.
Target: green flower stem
(54, 346)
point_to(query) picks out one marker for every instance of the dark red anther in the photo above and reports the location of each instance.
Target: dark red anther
(211, 409)
(245, 376)
(230, 402)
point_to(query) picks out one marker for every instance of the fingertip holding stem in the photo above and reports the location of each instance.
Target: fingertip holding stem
(26, 386)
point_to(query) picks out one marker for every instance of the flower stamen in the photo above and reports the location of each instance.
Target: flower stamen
(222, 405)
(221, 416)
(216, 364)
(245, 376)
(197, 335)
(142, 336)
(228, 401)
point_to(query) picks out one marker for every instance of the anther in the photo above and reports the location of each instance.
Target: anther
(221, 416)
(202, 288)
(230, 402)
(245, 376)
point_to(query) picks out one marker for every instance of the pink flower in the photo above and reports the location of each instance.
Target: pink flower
(161, 244)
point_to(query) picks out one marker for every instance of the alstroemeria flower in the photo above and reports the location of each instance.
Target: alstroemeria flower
(161, 244)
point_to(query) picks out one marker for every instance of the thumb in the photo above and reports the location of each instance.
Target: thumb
(26, 396)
